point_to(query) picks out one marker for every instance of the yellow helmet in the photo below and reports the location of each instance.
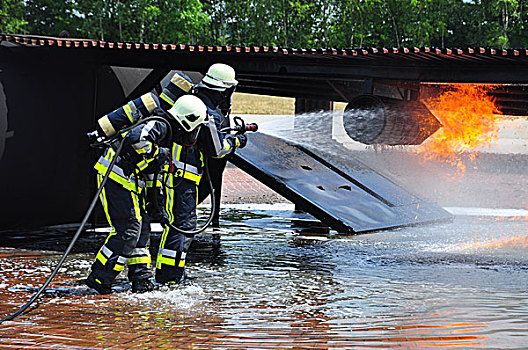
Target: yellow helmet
(220, 75)
(189, 111)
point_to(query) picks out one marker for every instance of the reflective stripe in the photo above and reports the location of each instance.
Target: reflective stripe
(166, 261)
(150, 103)
(176, 151)
(117, 174)
(143, 165)
(120, 264)
(140, 251)
(104, 202)
(140, 260)
(137, 207)
(184, 170)
(106, 251)
(168, 252)
(188, 175)
(176, 156)
(143, 147)
(101, 258)
(135, 114)
(181, 82)
(106, 126)
(168, 205)
(182, 259)
(187, 167)
(167, 99)
(103, 254)
(160, 258)
(140, 256)
(150, 180)
(128, 111)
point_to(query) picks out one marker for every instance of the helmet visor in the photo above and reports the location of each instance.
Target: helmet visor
(220, 82)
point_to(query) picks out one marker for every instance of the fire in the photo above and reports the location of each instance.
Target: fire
(469, 118)
(512, 242)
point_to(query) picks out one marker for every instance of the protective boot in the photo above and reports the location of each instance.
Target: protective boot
(170, 264)
(97, 285)
(142, 286)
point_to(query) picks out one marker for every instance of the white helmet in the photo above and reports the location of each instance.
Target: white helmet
(220, 76)
(189, 111)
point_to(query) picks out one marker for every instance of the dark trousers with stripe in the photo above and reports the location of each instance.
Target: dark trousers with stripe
(129, 240)
(180, 208)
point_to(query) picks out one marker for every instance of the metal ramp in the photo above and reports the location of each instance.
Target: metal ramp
(346, 195)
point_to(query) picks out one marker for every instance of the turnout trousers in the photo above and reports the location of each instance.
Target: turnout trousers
(180, 208)
(128, 242)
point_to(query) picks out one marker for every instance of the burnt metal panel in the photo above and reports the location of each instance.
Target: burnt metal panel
(349, 197)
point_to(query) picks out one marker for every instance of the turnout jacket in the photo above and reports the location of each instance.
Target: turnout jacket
(142, 156)
(147, 147)
(180, 84)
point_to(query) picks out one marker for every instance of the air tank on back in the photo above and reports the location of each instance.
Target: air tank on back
(376, 120)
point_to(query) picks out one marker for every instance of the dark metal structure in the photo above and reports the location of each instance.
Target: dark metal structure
(52, 90)
(348, 196)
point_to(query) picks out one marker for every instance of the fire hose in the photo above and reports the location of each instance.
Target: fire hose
(240, 127)
(74, 239)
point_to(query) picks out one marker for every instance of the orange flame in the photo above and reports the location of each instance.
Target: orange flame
(512, 242)
(469, 118)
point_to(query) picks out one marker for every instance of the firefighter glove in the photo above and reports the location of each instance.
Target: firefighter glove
(241, 140)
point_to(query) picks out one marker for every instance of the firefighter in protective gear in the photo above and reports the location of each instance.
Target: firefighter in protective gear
(181, 179)
(216, 90)
(123, 197)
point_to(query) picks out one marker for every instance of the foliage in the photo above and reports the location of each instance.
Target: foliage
(288, 23)
(12, 16)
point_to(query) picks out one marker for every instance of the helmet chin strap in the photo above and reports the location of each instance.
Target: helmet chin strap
(210, 87)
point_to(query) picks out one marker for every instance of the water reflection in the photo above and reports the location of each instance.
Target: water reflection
(265, 285)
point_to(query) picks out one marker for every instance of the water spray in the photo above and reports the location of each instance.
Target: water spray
(240, 127)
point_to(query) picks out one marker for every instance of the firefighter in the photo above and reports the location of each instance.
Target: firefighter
(216, 90)
(123, 197)
(195, 137)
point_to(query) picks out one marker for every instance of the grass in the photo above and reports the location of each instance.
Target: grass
(262, 104)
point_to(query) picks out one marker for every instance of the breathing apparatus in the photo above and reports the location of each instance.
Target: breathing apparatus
(124, 116)
(111, 132)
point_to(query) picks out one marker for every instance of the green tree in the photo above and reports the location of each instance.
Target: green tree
(12, 16)
(49, 17)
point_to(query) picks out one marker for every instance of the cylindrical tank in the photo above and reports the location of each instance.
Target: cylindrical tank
(371, 119)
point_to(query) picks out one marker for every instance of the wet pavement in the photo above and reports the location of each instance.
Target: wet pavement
(268, 283)
(271, 278)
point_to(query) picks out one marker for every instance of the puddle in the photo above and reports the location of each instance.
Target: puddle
(265, 284)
